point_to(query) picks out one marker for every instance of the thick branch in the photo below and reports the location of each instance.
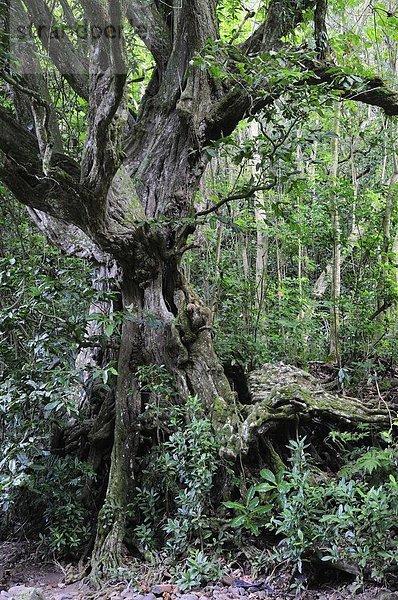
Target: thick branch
(70, 239)
(151, 28)
(61, 195)
(21, 170)
(194, 22)
(371, 91)
(237, 102)
(321, 36)
(107, 111)
(283, 16)
(64, 55)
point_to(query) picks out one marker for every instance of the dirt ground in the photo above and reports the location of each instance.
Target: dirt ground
(21, 569)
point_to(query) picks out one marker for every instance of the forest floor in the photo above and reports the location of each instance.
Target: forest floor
(23, 575)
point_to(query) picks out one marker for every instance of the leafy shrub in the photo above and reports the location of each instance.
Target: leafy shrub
(40, 389)
(177, 484)
(198, 569)
(341, 518)
(66, 518)
(51, 489)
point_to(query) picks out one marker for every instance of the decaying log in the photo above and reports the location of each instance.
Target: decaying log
(282, 393)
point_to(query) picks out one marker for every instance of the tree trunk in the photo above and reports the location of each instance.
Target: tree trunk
(168, 325)
(111, 519)
(262, 242)
(334, 351)
(282, 393)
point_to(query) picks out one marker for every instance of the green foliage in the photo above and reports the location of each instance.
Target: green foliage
(374, 462)
(156, 380)
(277, 312)
(198, 569)
(361, 529)
(177, 482)
(40, 389)
(67, 517)
(342, 518)
(253, 514)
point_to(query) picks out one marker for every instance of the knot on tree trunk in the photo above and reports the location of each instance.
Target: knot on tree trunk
(199, 317)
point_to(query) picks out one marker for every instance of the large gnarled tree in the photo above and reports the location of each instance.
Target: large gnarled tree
(132, 192)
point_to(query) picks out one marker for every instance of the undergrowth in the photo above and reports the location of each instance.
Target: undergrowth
(348, 519)
(174, 500)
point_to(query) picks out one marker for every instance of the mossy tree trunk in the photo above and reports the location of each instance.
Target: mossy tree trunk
(167, 326)
(111, 519)
(282, 395)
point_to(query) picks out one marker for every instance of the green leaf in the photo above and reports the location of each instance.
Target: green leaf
(268, 475)
(238, 521)
(264, 487)
(262, 510)
(235, 505)
(253, 504)
(250, 494)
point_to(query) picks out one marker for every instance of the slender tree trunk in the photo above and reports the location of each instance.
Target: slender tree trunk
(300, 247)
(334, 349)
(262, 244)
(385, 256)
(244, 250)
(261, 256)
(390, 201)
(323, 281)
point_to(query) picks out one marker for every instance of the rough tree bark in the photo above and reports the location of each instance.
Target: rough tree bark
(132, 192)
(98, 408)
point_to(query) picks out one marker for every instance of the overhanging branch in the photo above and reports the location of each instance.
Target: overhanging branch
(21, 169)
(370, 90)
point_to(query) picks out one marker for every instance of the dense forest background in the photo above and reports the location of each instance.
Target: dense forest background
(156, 332)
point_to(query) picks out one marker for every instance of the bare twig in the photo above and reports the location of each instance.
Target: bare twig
(239, 196)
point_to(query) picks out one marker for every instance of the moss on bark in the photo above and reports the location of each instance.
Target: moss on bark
(282, 393)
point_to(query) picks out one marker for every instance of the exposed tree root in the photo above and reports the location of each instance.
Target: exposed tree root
(282, 393)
